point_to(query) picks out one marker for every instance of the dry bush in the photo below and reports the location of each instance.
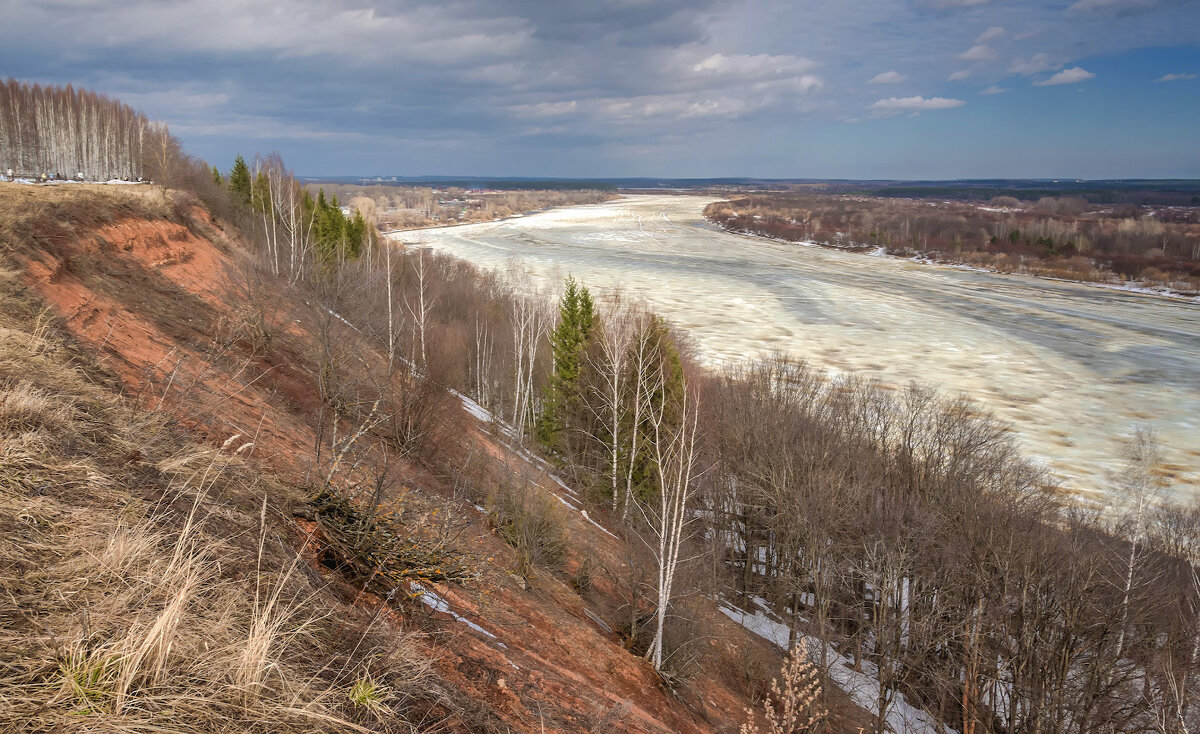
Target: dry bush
(794, 705)
(375, 546)
(530, 521)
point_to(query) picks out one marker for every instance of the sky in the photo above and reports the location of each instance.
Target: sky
(870, 89)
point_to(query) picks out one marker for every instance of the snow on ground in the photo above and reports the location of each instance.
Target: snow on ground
(484, 415)
(479, 412)
(435, 602)
(902, 717)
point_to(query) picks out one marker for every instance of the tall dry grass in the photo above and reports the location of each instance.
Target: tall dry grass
(147, 583)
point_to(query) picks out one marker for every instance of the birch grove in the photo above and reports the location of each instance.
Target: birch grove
(72, 133)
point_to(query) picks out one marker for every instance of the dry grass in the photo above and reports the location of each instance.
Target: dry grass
(145, 582)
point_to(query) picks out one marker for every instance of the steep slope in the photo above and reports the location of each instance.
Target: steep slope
(212, 382)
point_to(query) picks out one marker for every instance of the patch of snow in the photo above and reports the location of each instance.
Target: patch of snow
(438, 604)
(560, 499)
(863, 689)
(606, 530)
(475, 409)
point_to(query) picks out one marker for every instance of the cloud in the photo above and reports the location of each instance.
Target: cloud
(994, 89)
(1035, 65)
(898, 105)
(545, 109)
(978, 52)
(990, 34)
(1112, 6)
(757, 66)
(469, 85)
(1175, 77)
(1073, 75)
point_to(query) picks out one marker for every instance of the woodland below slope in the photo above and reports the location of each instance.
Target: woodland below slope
(411, 207)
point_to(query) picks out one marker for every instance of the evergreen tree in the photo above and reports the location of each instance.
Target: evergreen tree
(335, 235)
(239, 181)
(217, 179)
(260, 198)
(568, 345)
(661, 384)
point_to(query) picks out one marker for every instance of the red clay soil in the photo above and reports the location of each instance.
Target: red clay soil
(155, 301)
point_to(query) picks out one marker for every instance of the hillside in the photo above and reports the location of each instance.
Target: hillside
(179, 549)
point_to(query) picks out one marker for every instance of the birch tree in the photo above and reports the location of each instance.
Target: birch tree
(610, 363)
(529, 325)
(673, 448)
(419, 308)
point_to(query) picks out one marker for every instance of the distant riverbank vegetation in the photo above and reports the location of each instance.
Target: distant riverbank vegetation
(414, 207)
(1063, 237)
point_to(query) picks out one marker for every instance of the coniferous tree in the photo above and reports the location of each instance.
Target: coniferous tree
(568, 344)
(657, 380)
(239, 181)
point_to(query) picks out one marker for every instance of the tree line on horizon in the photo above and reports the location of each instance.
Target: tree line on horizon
(1058, 236)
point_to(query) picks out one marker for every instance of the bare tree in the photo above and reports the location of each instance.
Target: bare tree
(610, 362)
(673, 448)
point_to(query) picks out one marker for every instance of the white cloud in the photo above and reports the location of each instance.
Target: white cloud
(954, 3)
(994, 89)
(1035, 65)
(888, 77)
(545, 109)
(752, 66)
(1115, 6)
(897, 105)
(990, 34)
(1073, 75)
(958, 76)
(978, 52)
(1175, 77)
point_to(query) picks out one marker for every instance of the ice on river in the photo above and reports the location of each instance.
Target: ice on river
(1072, 367)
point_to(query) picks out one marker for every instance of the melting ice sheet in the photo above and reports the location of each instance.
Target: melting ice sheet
(1072, 367)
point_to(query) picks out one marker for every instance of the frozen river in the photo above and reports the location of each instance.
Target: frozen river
(1072, 367)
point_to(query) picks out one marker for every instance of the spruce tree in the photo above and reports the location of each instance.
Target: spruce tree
(568, 346)
(661, 384)
(260, 198)
(239, 181)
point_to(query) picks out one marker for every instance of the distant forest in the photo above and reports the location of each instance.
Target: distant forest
(1059, 236)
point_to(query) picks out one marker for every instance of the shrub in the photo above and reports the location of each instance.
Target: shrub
(530, 522)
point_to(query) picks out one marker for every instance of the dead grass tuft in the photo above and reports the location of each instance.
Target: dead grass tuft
(141, 589)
